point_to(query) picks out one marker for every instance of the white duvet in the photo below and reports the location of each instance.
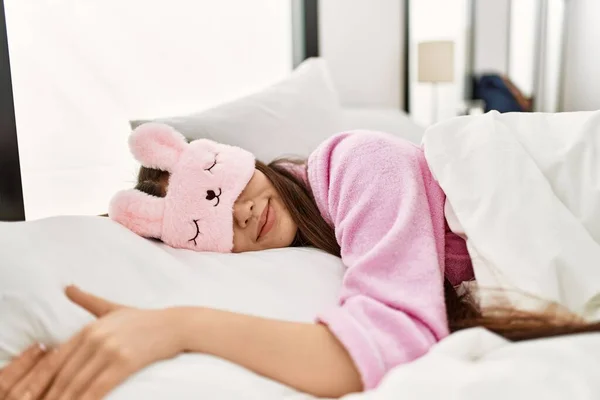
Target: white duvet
(522, 187)
(525, 191)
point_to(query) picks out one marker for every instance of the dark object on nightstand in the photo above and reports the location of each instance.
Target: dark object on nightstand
(500, 94)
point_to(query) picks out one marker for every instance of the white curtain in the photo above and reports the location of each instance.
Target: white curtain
(523, 34)
(82, 68)
(551, 82)
(536, 50)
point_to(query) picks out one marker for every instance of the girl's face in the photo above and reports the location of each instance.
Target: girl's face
(260, 220)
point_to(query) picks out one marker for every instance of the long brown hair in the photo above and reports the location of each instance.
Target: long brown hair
(462, 310)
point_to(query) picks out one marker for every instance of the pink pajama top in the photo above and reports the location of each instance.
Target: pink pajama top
(378, 193)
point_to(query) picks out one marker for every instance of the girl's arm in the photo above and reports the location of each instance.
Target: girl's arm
(124, 340)
(388, 213)
(305, 356)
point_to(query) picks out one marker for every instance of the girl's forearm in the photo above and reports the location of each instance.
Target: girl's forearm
(307, 357)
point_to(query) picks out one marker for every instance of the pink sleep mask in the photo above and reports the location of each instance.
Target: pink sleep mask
(205, 180)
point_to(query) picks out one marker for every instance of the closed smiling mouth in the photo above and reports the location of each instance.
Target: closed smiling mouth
(265, 223)
(262, 221)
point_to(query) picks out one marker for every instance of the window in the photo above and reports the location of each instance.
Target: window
(82, 69)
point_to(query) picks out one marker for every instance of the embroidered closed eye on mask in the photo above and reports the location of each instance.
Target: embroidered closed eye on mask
(205, 180)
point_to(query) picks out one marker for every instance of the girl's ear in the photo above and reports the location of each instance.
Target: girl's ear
(157, 145)
(139, 212)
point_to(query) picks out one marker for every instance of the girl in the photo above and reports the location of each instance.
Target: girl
(366, 197)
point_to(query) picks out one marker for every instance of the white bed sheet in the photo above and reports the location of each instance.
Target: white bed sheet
(39, 258)
(476, 364)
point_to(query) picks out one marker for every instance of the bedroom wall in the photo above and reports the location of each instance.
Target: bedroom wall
(581, 85)
(362, 42)
(491, 36)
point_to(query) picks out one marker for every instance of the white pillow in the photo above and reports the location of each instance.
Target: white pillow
(39, 258)
(390, 120)
(290, 118)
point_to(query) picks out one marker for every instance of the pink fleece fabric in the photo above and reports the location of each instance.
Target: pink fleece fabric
(205, 180)
(388, 213)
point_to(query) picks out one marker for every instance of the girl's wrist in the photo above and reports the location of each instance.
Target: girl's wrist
(183, 324)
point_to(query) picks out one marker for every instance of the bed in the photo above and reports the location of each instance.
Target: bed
(39, 258)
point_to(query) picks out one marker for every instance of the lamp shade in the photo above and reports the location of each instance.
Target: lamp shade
(436, 61)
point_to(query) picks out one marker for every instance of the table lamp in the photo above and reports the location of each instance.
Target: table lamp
(436, 65)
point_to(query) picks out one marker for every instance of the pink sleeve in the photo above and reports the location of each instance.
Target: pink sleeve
(387, 210)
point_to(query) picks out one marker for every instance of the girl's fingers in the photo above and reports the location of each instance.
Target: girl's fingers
(39, 378)
(78, 362)
(94, 304)
(18, 368)
(34, 384)
(79, 380)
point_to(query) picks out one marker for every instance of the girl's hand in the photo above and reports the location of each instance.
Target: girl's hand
(106, 352)
(15, 377)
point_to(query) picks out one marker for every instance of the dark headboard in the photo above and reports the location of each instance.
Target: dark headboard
(11, 189)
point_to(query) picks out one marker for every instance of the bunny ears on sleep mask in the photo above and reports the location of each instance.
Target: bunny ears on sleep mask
(205, 180)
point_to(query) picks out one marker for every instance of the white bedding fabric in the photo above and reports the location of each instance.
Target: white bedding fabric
(289, 118)
(522, 187)
(389, 120)
(39, 258)
(525, 189)
(475, 365)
